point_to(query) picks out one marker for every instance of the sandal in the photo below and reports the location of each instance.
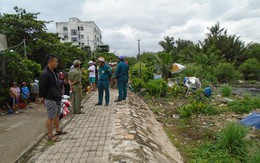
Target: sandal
(54, 138)
(61, 132)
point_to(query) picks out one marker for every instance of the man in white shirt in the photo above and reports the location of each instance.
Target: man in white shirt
(92, 75)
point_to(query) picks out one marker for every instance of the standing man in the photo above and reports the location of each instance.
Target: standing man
(122, 79)
(51, 94)
(76, 87)
(92, 75)
(103, 82)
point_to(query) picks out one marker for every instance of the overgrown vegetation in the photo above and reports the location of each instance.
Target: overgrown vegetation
(197, 122)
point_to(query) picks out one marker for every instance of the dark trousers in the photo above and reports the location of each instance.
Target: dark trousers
(122, 89)
(103, 85)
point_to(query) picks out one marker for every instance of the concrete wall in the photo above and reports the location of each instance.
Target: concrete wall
(3, 42)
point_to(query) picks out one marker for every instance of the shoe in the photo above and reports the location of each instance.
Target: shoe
(97, 104)
(17, 112)
(117, 100)
(61, 132)
(123, 99)
(106, 105)
(54, 138)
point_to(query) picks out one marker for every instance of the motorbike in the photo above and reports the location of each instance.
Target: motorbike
(65, 106)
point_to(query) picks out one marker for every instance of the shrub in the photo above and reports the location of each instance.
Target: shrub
(137, 84)
(177, 91)
(157, 87)
(185, 111)
(250, 69)
(226, 90)
(232, 140)
(226, 72)
(146, 72)
(197, 107)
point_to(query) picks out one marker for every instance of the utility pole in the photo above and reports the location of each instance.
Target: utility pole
(25, 53)
(139, 58)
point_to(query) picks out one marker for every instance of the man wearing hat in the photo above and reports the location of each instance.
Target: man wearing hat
(122, 78)
(92, 75)
(105, 74)
(76, 87)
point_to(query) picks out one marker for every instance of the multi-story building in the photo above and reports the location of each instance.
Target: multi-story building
(82, 33)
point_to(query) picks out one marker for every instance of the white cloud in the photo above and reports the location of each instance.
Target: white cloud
(123, 22)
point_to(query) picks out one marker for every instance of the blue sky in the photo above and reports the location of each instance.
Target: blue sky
(123, 22)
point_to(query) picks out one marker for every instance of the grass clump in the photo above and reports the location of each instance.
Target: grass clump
(226, 90)
(255, 158)
(232, 139)
(247, 104)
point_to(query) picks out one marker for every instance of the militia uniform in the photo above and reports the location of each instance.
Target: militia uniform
(76, 87)
(122, 79)
(105, 74)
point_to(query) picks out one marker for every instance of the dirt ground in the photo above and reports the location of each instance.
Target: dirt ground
(198, 128)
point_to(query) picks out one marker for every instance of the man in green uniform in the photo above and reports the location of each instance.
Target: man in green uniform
(105, 74)
(76, 87)
(122, 79)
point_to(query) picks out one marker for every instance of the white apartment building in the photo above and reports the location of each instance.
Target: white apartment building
(82, 33)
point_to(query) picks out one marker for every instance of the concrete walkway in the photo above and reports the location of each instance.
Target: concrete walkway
(89, 138)
(111, 133)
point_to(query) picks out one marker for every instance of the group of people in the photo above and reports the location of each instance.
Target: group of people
(21, 97)
(51, 92)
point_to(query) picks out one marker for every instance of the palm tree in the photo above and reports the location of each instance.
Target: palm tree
(164, 59)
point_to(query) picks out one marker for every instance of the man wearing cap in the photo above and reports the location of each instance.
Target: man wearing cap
(76, 87)
(50, 92)
(105, 74)
(121, 77)
(92, 75)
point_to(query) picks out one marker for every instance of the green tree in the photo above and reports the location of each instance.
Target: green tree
(253, 51)
(232, 49)
(18, 69)
(165, 61)
(22, 26)
(167, 44)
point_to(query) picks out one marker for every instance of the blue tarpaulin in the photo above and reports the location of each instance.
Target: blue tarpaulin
(252, 119)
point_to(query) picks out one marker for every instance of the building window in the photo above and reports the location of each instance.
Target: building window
(73, 32)
(82, 36)
(82, 44)
(74, 39)
(65, 29)
(82, 28)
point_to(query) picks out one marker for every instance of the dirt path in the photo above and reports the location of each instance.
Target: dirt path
(19, 131)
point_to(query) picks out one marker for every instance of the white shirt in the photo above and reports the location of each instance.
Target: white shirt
(92, 73)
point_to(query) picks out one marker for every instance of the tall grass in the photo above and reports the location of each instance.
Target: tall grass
(232, 139)
(255, 158)
(226, 90)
